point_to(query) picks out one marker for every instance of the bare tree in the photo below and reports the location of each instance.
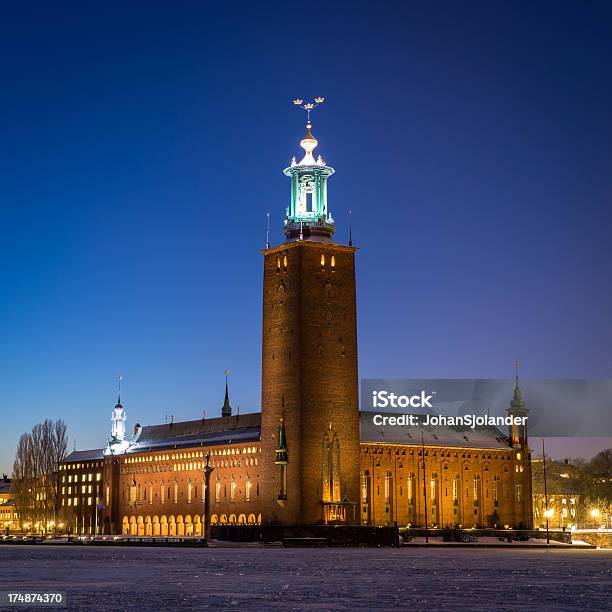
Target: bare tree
(36, 473)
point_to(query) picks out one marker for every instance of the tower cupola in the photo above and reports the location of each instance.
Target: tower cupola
(308, 217)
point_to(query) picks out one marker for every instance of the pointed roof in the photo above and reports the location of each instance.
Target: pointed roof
(226, 410)
(517, 399)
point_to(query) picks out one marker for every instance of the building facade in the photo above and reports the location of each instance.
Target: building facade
(9, 519)
(309, 456)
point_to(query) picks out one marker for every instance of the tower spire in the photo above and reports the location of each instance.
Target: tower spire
(517, 400)
(120, 378)
(307, 216)
(117, 442)
(226, 410)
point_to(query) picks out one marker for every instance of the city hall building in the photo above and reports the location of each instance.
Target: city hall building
(309, 457)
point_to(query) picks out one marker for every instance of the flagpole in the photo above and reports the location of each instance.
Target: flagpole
(424, 486)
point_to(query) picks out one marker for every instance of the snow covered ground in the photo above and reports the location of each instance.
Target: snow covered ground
(275, 578)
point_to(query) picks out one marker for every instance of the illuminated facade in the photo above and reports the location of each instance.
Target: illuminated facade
(80, 489)
(308, 457)
(9, 520)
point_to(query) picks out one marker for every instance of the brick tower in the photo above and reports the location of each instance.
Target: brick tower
(310, 416)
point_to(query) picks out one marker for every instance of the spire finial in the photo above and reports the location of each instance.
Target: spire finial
(517, 399)
(350, 227)
(310, 106)
(226, 410)
(517, 369)
(268, 232)
(309, 142)
(119, 379)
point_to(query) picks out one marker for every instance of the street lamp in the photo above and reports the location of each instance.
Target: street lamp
(208, 469)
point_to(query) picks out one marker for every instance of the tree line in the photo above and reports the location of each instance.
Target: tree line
(36, 474)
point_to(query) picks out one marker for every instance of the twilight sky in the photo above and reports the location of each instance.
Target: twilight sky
(142, 143)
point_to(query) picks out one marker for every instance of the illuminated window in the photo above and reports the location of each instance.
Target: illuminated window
(518, 492)
(278, 263)
(331, 467)
(90, 477)
(233, 491)
(387, 487)
(162, 492)
(410, 487)
(189, 492)
(322, 260)
(518, 456)
(89, 501)
(107, 495)
(333, 261)
(76, 501)
(151, 493)
(176, 493)
(455, 488)
(70, 501)
(475, 485)
(217, 491)
(364, 487)
(248, 490)
(285, 261)
(99, 476)
(83, 489)
(432, 488)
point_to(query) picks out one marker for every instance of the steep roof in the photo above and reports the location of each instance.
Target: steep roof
(85, 455)
(223, 430)
(462, 437)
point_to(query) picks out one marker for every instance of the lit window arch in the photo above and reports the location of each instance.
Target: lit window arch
(333, 261)
(322, 259)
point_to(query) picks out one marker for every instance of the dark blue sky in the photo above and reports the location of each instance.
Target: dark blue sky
(141, 145)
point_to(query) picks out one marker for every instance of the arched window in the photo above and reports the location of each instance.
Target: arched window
(331, 467)
(333, 261)
(433, 487)
(285, 261)
(322, 260)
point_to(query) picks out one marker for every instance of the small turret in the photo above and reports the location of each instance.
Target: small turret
(281, 452)
(517, 408)
(307, 215)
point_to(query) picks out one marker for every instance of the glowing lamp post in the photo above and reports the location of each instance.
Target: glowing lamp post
(208, 469)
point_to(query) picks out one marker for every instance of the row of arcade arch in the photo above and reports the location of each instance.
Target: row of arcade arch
(181, 526)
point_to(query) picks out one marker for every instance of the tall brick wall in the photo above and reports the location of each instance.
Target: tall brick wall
(388, 497)
(309, 372)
